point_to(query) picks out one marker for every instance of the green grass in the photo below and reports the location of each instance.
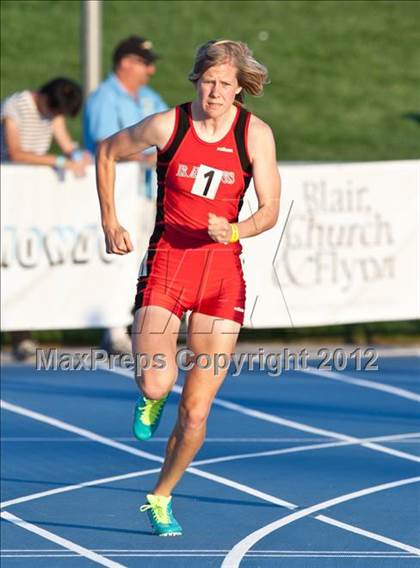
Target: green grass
(343, 73)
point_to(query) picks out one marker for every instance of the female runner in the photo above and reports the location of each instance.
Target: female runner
(208, 151)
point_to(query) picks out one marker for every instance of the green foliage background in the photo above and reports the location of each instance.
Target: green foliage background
(344, 74)
(345, 78)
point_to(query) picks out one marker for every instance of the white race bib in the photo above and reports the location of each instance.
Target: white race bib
(207, 182)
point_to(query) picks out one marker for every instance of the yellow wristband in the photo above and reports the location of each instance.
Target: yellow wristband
(235, 233)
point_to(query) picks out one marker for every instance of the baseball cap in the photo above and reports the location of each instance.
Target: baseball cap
(135, 45)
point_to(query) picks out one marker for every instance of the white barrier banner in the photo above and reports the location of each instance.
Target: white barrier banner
(345, 249)
(55, 272)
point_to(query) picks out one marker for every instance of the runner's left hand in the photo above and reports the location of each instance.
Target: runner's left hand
(219, 229)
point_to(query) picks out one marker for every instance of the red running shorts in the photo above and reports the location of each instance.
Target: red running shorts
(206, 279)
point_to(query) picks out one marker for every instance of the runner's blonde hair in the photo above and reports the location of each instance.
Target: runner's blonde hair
(252, 75)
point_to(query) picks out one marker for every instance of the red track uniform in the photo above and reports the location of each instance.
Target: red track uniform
(184, 269)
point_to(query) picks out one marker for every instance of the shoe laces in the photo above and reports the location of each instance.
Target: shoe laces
(152, 409)
(159, 510)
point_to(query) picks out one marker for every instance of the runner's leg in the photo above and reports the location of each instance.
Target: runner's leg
(210, 336)
(155, 331)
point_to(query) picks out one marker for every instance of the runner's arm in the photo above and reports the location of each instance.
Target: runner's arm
(262, 151)
(152, 131)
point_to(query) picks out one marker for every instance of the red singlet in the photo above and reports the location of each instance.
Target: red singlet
(184, 269)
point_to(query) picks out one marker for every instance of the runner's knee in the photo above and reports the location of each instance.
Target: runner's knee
(155, 384)
(154, 392)
(192, 416)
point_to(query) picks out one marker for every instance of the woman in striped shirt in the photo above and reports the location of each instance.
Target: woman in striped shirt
(31, 119)
(29, 122)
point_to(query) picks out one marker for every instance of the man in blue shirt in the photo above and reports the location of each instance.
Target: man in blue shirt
(123, 99)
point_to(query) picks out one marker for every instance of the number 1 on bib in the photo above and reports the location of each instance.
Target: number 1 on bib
(207, 182)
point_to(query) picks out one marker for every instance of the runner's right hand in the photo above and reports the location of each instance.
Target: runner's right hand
(117, 240)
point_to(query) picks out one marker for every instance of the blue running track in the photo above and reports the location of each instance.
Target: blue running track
(304, 470)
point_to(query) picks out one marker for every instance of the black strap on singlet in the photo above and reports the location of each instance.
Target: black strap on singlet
(181, 129)
(240, 139)
(240, 135)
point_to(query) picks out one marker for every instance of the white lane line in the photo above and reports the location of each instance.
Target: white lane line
(254, 413)
(413, 441)
(76, 430)
(216, 554)
(309, 447)
(357, 530)
(243, 488)
(223, 550)
(68, 544)
(306, 428)
(50, 439)
(77, 486)
(295, 449)
(233, 559)
(140, 473)
(129, 449)
(392, 452)
(210, 476)
(289, 423)
(335, 376)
